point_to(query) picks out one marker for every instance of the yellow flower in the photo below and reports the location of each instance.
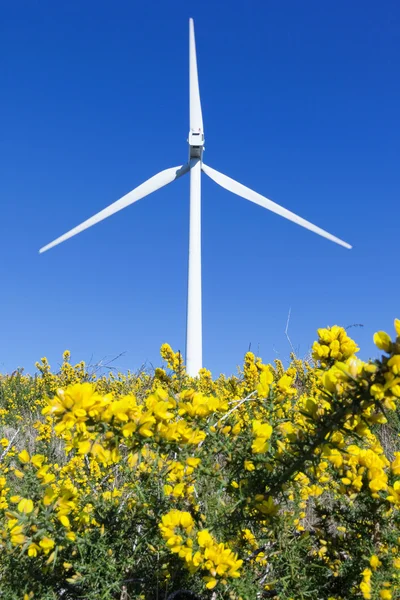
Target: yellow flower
(33, 550)
(204, 538)
(211, 582)
(47, 544)
(365, 585)
(334, 457)
(193, 462)
(186, 521)
(16, 533)
(262, 433)
(374, 562)
(394, 493)
(84, 447)
(18, 538)
(178, 490)
(64, 521)
(394, 364)
(285, 385)
(266, 378)
(383, 341)
(249, 465)
(378, 480)
(24, 457)
(25, 506)
(397, 326)
(37, 460)
(259, 446)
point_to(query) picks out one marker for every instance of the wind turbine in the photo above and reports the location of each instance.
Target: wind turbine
(194, 166)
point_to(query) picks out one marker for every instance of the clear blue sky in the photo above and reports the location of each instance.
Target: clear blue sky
(300, 102)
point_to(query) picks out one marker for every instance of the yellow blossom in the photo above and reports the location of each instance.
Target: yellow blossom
(25, 506)
(383, 341)
(374, 562)
(24, 456)
(47, 544)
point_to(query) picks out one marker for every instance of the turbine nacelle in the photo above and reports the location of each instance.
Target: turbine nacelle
(196, 143)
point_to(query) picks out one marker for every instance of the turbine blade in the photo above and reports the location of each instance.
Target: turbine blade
(148, 187)
(241, 190)
(196, 119)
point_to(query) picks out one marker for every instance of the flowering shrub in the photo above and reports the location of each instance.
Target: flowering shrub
(276, 483)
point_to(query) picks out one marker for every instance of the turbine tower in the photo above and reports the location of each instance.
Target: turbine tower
(195, 166)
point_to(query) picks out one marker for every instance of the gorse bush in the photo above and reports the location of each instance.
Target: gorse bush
(276, 483)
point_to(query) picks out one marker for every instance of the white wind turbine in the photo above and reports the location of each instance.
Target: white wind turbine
(195, 165)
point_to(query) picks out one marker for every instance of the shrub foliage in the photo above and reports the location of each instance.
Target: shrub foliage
(275, 483)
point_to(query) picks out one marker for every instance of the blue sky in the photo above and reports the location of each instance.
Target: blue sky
(300, 102)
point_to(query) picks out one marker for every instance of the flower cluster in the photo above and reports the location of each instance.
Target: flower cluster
(96, 424)
(333, 344)
(199, 549)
